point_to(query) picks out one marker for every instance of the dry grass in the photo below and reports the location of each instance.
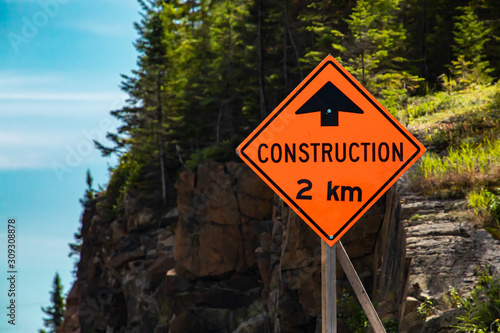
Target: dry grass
(454, 184)
(462, 134)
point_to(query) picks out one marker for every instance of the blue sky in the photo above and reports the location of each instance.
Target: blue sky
(60, 66)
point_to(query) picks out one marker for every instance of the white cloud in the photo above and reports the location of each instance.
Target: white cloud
(67, 105)
(57, 96)
(8, 80)
(43, 118)
(67, 109)
(55, 86)
(28, 160)
(17, 139)
(59, 159)
(53, 95)
(34, 148)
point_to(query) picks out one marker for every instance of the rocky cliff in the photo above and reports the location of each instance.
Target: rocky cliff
(446, 250)
(232, 257)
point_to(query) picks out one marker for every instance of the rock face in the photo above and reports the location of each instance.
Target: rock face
(232, 258)
(225, 212)
(446, 251)
(121, 270)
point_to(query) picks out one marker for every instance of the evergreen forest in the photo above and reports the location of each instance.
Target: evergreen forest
(208, 71)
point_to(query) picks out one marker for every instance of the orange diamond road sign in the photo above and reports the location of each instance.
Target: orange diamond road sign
(330, 150)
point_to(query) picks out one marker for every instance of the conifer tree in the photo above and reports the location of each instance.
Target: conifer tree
(89, 192)
(55, 311)
(220, 93)
(373, 49)
(143, 131)
(377, 45)
(470, 36)
(323, 20)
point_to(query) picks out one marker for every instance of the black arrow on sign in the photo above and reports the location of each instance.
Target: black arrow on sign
(329, 100)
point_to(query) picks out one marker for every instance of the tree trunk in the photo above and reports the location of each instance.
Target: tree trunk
(263, 111)
(160, 141)
(285, 70)
(229, 58)
(292, 41)
(363, 67)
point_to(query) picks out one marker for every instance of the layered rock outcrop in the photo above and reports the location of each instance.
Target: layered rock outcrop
(232, 258)
(446, 250)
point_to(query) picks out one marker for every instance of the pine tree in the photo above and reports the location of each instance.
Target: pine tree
(89, 192)
(470, 36)
(373, 49)
(377, 44)
(55, 312)
(144, 132)
(75, 247)
(323, 21)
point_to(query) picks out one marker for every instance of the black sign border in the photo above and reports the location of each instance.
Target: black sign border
(371, 100)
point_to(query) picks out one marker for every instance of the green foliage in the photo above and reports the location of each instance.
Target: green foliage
(55, 311)
(415, 217)
(391, 326)
(351, 314)
(323, 20)
(375, 54)
(486, 205)
(494, 207)
(468, 158)
(470, 36)
(426, 308)
(463, 129)
(223, 152)
(210, 70)
(352, 317)
(75, 247)
(427, 105)
(481, 200)
(481, 307)
(126, 175)
(89, 192)
(471, 116)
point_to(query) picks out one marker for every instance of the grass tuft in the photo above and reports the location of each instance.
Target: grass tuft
(467, 168)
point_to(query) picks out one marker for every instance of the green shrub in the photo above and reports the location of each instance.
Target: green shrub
(481, 307)
(495, 208)
(222, 152)
(428, 105)
(426, 308)
(486, 205)
(351, 314)
(480, 201)
(123, 178)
